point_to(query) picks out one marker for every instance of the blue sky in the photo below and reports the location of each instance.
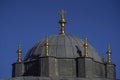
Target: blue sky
(29, 21)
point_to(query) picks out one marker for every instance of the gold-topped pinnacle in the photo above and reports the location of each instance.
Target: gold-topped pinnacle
(109, 54)
(19, 51)
(46, 47)
(85, 47)
(62, 22)
(103, 58)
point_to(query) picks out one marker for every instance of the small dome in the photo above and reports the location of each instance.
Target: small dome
(61, 46)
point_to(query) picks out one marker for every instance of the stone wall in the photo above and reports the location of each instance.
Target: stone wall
(67, 67)
(99, 69)
(61, 67)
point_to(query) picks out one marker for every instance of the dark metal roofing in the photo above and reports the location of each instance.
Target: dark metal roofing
(61, 46)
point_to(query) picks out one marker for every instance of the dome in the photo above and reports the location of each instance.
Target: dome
(61, 46)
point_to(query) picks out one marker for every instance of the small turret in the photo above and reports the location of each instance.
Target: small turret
(18, 67)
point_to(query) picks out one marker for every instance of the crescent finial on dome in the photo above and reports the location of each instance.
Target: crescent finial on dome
(62, 22)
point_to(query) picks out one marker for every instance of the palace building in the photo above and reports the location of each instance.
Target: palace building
(63, 57)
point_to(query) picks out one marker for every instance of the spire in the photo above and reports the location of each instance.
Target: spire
(46, 47)
(62, 22)
(85, 48)
(19, 51)
(103, 58)
(109, 54)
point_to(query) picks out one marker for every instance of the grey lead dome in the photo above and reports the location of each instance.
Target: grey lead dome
(61, 46)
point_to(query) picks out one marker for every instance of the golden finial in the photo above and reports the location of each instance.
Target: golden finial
(109, 54)
(46, 47)
(62, 22)
(85, 48)
(103, 58)
(19, 51)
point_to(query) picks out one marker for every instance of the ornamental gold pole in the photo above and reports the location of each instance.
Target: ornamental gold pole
(85, 48)
(62, 22)
(19, 51)
(109, 54)
(46, 47)
(103, 58)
